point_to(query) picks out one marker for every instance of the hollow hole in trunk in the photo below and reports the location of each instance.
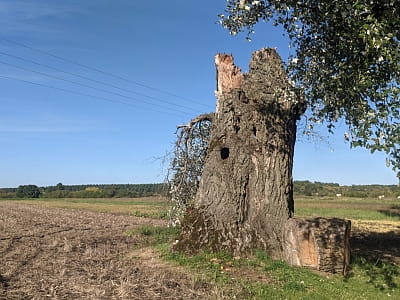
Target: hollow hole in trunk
(224, 153)
(254, 131)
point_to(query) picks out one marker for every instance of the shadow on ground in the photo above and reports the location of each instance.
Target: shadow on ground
(378, 254)
(393, 212)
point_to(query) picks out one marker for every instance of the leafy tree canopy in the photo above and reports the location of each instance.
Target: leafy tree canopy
(347, 61)
(60, 186)
(28, 191)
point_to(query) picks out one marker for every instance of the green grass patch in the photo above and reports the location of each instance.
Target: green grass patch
(260, 277)
(347, 200)
(346, 213)
(158, 214)
(209, 264)
(155, 235)
(367, 280)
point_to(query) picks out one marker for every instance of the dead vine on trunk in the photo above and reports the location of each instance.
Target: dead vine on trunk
(187, 164)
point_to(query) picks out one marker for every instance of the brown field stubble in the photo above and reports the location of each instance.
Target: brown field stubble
(54, 253)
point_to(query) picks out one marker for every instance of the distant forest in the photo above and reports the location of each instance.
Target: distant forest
(84, 191)
(301, 188)
(307, 188)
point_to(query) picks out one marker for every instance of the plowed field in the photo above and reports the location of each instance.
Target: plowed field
(53, 253)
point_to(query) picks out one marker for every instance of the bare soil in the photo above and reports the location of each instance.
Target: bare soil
(53, 253)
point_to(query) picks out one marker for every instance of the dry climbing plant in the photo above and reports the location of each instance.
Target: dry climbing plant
(187, 164)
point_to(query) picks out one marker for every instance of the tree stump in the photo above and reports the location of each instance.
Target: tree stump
(319, 243)
(245, 196)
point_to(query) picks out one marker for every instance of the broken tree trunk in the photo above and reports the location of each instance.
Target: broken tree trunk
(245, 197)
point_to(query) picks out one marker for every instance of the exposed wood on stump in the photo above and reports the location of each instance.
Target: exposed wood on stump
(245, 197)
(319, 243)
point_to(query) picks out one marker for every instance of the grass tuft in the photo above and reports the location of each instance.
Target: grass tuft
(154, 235)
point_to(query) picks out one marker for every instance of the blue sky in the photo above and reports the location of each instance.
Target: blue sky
(98, 128)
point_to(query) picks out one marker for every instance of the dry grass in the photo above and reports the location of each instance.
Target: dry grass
(147, 206)
(366, 215)
(378, 226)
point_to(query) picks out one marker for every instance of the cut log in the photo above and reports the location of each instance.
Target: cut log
(319, 243)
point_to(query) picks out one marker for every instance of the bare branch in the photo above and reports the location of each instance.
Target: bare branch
(203, 117)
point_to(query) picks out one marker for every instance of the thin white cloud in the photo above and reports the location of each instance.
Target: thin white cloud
(29, 10)
(13, 76)
(25, 16)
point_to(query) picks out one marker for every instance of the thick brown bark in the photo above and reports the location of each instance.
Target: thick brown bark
(245, 197)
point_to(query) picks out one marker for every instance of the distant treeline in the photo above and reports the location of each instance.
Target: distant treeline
(84, 191)
(307, 188)
(301, 188)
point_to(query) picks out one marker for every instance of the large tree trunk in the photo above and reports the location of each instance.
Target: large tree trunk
(245, 197)
(245, 194)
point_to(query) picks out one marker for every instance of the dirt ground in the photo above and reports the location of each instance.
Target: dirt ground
(52, 253)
